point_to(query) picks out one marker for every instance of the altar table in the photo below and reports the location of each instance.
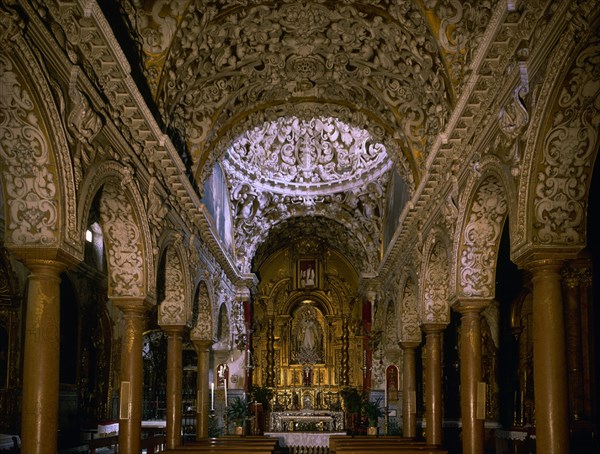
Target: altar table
(305, 442)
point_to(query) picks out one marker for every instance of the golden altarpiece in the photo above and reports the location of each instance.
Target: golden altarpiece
(308, 336)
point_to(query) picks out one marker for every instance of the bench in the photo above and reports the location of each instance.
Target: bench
(103, 442)
(380, 445)
(227, 444)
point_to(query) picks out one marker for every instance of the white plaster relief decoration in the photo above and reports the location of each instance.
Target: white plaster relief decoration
(513, 118)
(567, 155)
(203, 327)
(409, 316)
(461, 26)
(381, 57)
(156, 28)
(313, 153)
(83, 121)
(172, 309)
(436, 308)
(481, 235)
(124, 243)
(390, 332)
(28, 168)
(317, 167)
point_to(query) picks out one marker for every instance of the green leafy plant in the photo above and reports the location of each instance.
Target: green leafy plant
(262, 395)
(352, 400)
(238, 411)
(372, 411)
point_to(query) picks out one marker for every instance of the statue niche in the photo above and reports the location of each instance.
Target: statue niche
(307, 336)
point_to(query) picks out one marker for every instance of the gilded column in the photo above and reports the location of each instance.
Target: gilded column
(174, 384)
(202, 392)
(472, 409)
(270, 372)
(409, 396)
(130, 401)
(549, 363)
(39, 419)
(433, 383)
(345, 359)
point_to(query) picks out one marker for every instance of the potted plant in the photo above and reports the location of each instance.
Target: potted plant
(372, 411)
(238, 412)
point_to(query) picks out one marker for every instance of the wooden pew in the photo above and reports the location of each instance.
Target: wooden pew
(154, 444)
(381, 445)
(103, 442)
(253, 444)
(335, 440)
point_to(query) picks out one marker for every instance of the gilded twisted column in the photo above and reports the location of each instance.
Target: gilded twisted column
(270, 372)
(345, 360)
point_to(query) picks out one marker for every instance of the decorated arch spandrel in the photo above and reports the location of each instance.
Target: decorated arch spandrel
(478, 239)
(36, 165)
(561, 150)
(174, 278)
(435, 307)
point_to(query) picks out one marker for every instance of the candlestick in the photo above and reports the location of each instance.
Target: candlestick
(212, 396)
(385, 392)
(225, 392)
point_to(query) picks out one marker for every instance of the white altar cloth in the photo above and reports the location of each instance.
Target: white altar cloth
(310, 439)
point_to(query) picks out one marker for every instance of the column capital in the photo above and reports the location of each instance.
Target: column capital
(41, 255)
(202, 344)
(408, 345)
(543, 263)
(129, 304)
(173, 330)
(467, 305)
(433, 328)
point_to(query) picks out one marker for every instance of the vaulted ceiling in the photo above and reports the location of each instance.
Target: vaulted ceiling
(308, 106)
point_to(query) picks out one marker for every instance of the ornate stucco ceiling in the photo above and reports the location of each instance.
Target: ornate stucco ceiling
(223, 72)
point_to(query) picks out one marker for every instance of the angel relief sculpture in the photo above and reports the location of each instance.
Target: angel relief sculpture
(308, 337)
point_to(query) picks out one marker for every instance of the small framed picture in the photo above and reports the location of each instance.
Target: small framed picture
(307, 273)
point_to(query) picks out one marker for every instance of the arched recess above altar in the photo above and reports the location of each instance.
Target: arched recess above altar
(307, 335)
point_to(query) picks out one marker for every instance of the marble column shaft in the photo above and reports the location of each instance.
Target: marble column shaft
(409, 386)
(433, 383)
(202, 391)
(39, 418)
(174, 384)
(132, 367)
(549, 360)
